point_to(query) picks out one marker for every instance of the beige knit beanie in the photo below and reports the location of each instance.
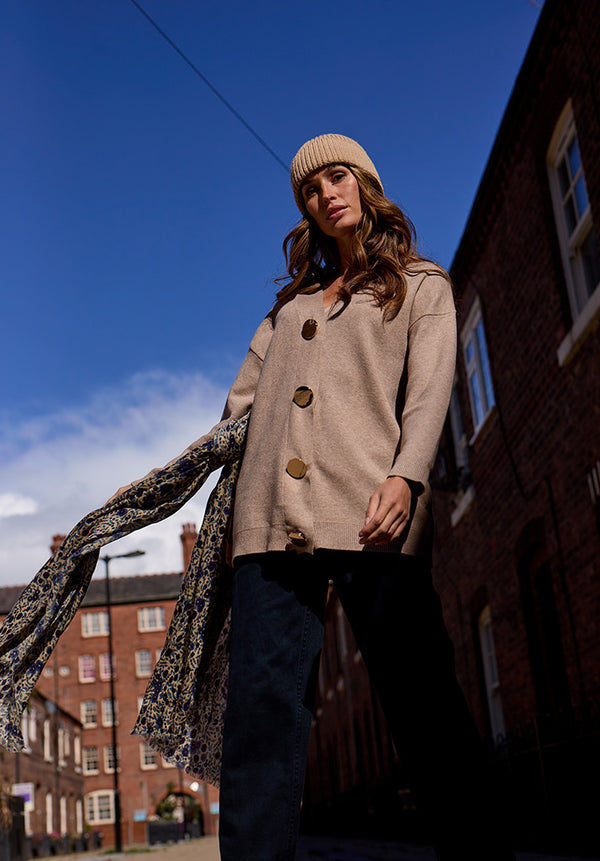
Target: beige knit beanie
(324, 150)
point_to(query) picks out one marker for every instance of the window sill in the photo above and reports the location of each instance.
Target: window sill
(579, 330)
(463, 505)
(491, 412)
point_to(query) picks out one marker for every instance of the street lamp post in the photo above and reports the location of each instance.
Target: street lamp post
(118, 836)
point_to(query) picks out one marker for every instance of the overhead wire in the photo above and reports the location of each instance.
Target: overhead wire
(211, 86)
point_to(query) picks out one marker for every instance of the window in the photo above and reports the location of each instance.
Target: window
(107, 715)
(479, 378)
(88, 713)
(147, 756)
(90, 760)
(490, 671)
(49, 812)
(578, 243)
(77, 752)
(62, 736)
(32, 725)
(78, 816)
(87, 668)
(143, 663)
(151, 619)
(94, 624)
(25, 732)
(105, 666)
(47, 741)
(109, 759)
(99, 807)
(459, 441)
(63, 814)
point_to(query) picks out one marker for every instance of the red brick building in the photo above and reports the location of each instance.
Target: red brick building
(517, 554)
(47, 772)
(78, 677)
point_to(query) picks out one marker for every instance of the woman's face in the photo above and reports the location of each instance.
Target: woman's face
(332, 198)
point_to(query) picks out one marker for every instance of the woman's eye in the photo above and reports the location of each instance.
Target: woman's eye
(308, 192)
(338, 176)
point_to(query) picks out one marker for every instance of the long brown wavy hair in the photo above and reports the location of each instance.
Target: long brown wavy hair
(383, 253)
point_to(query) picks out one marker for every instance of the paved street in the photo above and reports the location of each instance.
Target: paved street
(310, 849)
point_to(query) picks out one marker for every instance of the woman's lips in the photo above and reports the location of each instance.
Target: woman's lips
(335, 211)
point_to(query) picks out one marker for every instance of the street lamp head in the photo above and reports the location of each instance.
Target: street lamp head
(108, 558)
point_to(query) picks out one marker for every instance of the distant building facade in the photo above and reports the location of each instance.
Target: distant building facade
(47, 772)
(78, 676)
(517, 501)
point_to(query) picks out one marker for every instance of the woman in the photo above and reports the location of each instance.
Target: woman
(349, 379)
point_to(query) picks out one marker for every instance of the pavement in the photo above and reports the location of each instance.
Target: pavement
(309, 849)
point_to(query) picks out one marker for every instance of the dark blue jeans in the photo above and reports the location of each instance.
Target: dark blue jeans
(276, 635)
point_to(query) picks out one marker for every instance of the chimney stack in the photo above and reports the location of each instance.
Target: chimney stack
(189, 533)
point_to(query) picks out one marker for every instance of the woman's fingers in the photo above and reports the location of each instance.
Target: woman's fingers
(118, 493)
(387, 513)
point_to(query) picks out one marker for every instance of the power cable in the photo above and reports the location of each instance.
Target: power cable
(212, 87)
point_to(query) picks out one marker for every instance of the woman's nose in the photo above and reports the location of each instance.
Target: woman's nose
(327, 191)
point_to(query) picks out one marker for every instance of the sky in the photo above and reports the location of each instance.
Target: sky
(141, 223)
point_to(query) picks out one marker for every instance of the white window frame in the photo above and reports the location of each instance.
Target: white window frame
(104, 662)
(143, 669)
(77, 752)
(78, 815)
(490, 671)
(108, 767)
(49, 813)
(148, 757)
(25, 732)
(584, 307)
(477, 368)
(61, 739)
(94, 624)
(47, 741)
(85, 677)
(62, 805)
(151, 619)
(92, 807)
(106, 709)
(86, 767)
(85, 713)
(32, 725)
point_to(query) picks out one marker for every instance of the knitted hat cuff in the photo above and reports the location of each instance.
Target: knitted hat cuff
(324, 150)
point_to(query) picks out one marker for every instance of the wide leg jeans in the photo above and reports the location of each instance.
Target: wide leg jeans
(276, 636)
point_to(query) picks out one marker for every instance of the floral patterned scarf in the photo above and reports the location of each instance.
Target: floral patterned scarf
(182, 711)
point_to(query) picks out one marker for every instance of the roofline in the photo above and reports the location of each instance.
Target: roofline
(529, 62)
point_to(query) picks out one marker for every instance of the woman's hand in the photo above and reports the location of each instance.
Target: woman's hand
(387, 513)
(118, 493)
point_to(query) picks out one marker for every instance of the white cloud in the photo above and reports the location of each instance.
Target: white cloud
(12, 504)
(56, 468)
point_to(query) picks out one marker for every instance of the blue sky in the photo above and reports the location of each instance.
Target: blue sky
(141, 224)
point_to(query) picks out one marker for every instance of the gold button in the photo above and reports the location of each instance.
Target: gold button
(296, 468)
(309, 329)
(298, 539)
(303, 396)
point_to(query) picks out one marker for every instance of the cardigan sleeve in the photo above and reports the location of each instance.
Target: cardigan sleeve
(430, 367)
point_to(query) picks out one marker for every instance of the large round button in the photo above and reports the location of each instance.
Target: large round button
(303, 396)
(296, 468)
(297, 538)
(309, 329)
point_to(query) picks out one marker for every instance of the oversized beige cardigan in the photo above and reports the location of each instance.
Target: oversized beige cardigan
(378, 396)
